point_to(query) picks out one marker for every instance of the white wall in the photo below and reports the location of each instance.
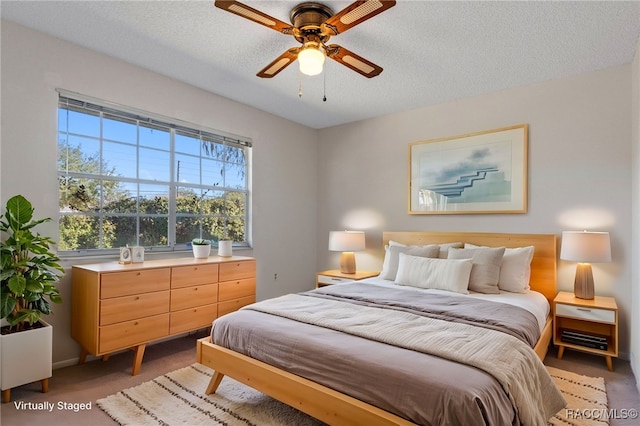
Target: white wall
(635, 196)
(580, 164)
(579, 172)
(284, 153)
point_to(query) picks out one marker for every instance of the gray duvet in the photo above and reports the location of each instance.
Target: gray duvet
(325, 336)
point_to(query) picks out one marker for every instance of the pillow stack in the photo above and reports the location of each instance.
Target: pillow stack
(459, 268)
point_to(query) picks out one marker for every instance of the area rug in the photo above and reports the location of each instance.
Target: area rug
(177, 398)
(586, 399)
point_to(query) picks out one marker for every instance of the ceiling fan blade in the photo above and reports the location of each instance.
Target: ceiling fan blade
(353, 61)
(355, 14)
(280, 63)
(255, 15)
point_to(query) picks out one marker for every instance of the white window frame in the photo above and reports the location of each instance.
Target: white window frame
(80, 102)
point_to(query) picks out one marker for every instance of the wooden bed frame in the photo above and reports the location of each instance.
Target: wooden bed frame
(334, 407)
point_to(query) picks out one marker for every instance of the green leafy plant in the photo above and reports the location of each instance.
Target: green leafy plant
(200, 242)
(30, 270)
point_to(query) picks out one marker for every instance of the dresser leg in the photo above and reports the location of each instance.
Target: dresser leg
(609, 363)
(83, 356)
(137, 360)
(560, 352)
(6, 396)
(44, 384)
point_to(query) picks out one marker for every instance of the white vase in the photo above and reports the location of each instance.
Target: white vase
(201, 251)
(225, 248)
(26, 356)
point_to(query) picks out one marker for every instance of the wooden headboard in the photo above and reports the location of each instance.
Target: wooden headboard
(543, 265)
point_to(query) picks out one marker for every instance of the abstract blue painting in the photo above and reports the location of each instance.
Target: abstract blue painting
(483, 172)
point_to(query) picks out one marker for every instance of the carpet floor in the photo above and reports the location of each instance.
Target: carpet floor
(177, 398)
(91, 381)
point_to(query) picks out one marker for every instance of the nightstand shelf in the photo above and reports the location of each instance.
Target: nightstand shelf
(586, 325)
(334, 276)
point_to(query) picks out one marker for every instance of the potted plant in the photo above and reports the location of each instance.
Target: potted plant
(201, 248)
(225, 248)
(28, 280)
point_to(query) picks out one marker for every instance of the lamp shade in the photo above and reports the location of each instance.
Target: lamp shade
(311, 60)
(346, 241)
(585, 247)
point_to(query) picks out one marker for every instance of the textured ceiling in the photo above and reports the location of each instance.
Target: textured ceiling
(431, 52)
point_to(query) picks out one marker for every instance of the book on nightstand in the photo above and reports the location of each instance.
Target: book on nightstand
(582, 339)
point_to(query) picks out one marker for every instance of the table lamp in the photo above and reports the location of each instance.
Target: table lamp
(586, 248)
(347, 242)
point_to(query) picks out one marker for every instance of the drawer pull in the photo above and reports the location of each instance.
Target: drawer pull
(139, 273)
(583, 309)
(195, 289)
(137, 298)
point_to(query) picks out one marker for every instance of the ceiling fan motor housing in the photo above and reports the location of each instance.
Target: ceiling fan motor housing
(308, 17)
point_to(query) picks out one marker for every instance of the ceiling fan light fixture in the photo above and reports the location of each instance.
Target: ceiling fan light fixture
(311, 59)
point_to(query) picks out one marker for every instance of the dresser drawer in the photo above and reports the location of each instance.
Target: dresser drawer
(234, 305)
(193, 318)
(591, 314)
(119, 309)
(131, 333)
(237, 270)
(184, 276)
(235, 289)
(117, 284)
(190, 297)
(326, 279)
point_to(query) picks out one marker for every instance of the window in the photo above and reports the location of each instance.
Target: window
(126, 177)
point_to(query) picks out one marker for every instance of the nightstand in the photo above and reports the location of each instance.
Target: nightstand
(586, 325)
(334, 276)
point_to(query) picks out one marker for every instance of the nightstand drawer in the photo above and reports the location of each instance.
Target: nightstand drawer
(591, 314)
(325, 279)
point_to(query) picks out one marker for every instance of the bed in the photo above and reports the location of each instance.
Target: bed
(313, 377)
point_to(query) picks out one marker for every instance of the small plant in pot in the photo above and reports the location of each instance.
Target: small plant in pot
(201, 248)
(28, 276)
(30, 270)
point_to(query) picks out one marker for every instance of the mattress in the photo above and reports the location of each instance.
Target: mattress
(531, 301)
(423, 388)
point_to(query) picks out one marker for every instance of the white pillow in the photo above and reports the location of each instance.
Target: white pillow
(390, 264)
(486, 267)
(444, 249)
(442, 274)
(515, 271)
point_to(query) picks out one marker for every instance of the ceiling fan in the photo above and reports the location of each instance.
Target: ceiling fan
(313, 24)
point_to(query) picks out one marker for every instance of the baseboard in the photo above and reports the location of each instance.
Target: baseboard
(635, 368)
(75, 360)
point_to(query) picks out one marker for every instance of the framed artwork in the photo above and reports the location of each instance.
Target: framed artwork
(125, 255)
(137, 254)
(484, 172)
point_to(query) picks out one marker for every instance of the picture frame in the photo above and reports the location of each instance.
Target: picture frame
(125, 256)
(137, 254)
(483, 172)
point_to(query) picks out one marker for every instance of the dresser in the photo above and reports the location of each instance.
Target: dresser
(115, 306)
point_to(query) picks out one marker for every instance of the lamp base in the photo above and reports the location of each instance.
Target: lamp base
(583, 285)
(348, 262)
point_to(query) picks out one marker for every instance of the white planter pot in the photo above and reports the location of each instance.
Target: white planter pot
(201, 251)
(225, 248)
(26, 356)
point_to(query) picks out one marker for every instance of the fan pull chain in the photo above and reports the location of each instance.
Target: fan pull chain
(324, 85)
(299, 84)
